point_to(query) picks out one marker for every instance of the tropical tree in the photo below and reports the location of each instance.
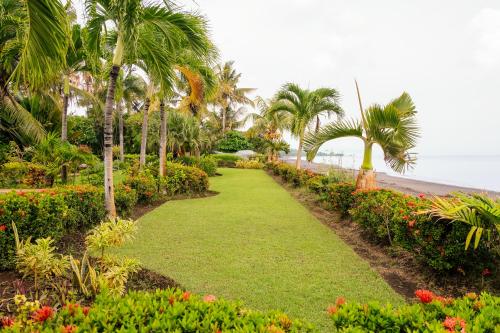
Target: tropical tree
(228, 95)
(302, 106)
(393, 127)
(33, 44)
(142, 33)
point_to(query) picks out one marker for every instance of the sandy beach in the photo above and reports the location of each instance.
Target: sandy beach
(406, 185)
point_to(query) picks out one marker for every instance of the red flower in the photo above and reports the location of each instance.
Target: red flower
(332, 309)
(6, 322)
(401, 211)
(3, 227)
(450, 323)
(209, 298)
(405, 217)
(411, 223)
(171, 300)
(43, 314)
(411, 204)
(486, 272)
(425, 296)
(68, 329)
(86, 310)
(421, 195)
(72, 308)
(340, 301)
(186, 296)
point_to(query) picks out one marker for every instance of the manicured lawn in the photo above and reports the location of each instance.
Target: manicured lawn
(255, 243)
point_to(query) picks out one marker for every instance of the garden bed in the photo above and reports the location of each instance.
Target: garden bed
(398, 267)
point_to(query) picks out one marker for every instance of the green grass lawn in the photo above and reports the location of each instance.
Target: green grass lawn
(254, 242)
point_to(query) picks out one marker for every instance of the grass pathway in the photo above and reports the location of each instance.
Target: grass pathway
(254, 242)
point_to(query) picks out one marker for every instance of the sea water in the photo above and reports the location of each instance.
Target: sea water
(481, 172)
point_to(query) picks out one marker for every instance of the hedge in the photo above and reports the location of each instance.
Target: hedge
(226, 160)
(394, 218)
(471, 313)
(205, 163)
(181, 179)
(24, 174)
(47, 213)
(160, 311)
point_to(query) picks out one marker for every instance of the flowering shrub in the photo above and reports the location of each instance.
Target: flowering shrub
(182, 179)
(125, 200)
(339, 196)
(290, 174)
(24, 174)
(205, 163)
(471, 313)
(49, 213)
(160, 311)
(249, 164)
(145, 185)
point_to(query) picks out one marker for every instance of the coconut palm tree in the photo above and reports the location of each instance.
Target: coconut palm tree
(228, 95)
(33, 40)
(143, 33)
(302, 106)
(393, 127)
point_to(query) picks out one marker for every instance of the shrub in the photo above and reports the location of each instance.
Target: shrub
(125, 200)
(339, 196)
(181, 179)
(24, 174)
(50, 213)
(145, 185)
(233, 141)
(397, 218)
(249, 164)
(471, 313)
(205, 163)
(290, 174)
(226, 160)
(160, 311)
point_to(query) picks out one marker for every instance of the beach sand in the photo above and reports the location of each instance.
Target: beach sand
(406, 185)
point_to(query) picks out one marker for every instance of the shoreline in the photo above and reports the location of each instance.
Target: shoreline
(403, 184)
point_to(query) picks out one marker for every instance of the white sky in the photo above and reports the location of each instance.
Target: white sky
(445, 53)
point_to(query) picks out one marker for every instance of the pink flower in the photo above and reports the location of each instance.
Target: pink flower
(209, 298)
(421, 195)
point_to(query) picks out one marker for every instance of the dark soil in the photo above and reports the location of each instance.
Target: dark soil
(398, 267)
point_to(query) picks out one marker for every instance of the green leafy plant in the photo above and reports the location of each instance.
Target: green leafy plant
(226, 160)
(476, 210)
(249, 164)
(38, 260)
(233, 141)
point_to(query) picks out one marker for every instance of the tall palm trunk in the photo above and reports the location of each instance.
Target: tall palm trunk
(366, 176)
(163, 140)
(224, 119)
(109, 191)
(64, 125)
(144, 134)
(120, 130)
(299, 152)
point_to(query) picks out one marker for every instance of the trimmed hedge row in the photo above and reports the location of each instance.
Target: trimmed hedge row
(471, 313)
(226, 160)
(205, 163)
(160, 311)
(396, 219)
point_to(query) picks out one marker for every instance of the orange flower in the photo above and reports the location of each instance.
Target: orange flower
(86, 310)
(68, 329)
(411, 223)
(209, 298)
(425, 296)
(340, 301)
(43, 314)
(6, 322)
(3, 227)
(332, 309)
(450, 323)
(186, 296)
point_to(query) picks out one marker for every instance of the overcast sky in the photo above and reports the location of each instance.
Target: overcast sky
(445, 54)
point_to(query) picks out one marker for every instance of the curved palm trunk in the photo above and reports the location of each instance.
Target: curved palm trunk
(366, 176)
(144, 134)
(109, 191)
(299, 152)
(316, 130)
(120, 130)
(64, 125)
(163, 140)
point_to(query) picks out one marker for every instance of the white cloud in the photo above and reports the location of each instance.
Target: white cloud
(485, 27)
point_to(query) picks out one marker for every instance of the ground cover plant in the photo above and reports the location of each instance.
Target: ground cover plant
(286, 259)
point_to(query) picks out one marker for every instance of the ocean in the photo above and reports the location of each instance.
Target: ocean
(481, 172)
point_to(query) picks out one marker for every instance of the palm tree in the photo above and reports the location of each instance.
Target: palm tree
(33, 40)
(302, 106)
(228, 95)
(143, 33)
(393, 127)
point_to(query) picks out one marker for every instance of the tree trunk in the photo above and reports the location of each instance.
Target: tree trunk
(366, 177)
(109, 191)
(223, 120)
(163, 140)
(64, 133)
(299, 153)
(144, 134)
(120, 130)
